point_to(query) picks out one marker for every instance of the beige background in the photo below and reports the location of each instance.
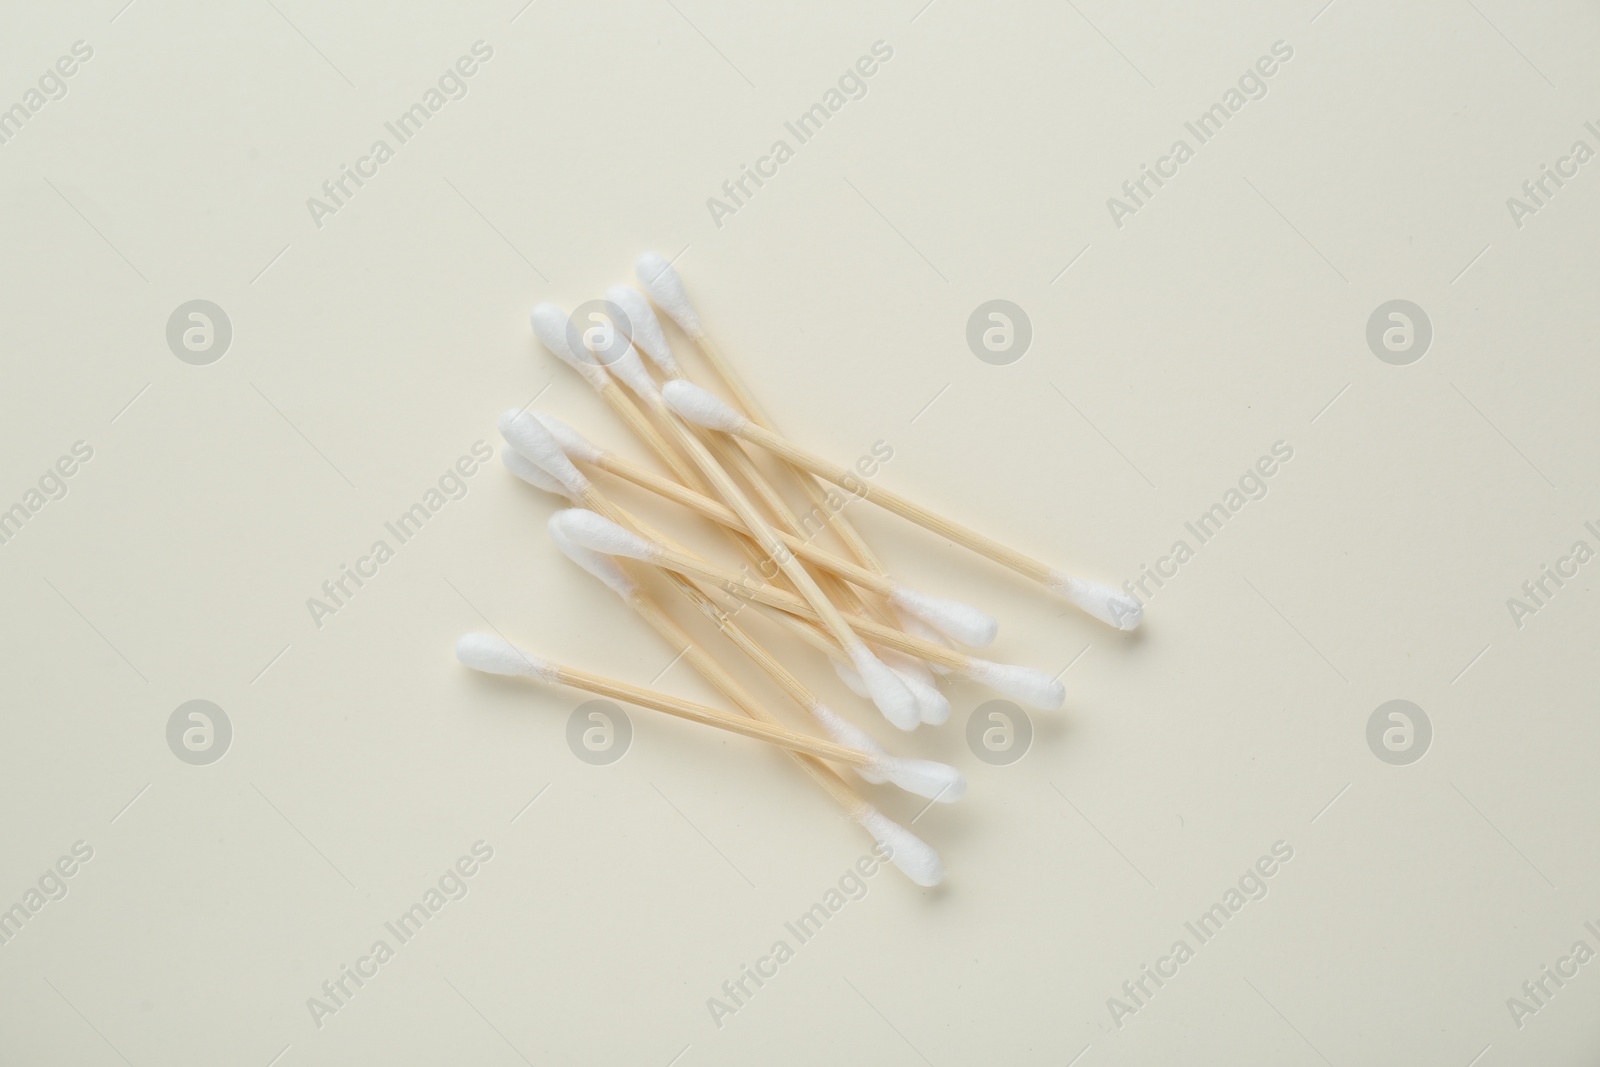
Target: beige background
(370, 353)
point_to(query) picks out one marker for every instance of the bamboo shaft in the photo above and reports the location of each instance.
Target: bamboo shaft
(703, 662)
(889, 501)
(726, 516)
(792, 568)
(709, 716)
(695, 567)
(842, 793)
(797, 690)
(752, 407)
(624, 406)
(789, 530)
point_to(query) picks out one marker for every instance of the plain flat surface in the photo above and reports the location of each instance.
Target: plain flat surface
(371, 352)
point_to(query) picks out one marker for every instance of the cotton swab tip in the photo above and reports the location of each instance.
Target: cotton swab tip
(702, 408)
(957, 621)
(924, 778)
(932, 706)
(888, 692)
(1111, 606)
(494, 655)
(847, 674)
(550, 326)
(917, 628)
(529, 437)
(914, 672)
(661, 281)
(531, 472)
(602, 567)
(629, 370)
(643, 328)
(599, 534)
(914, 856)
(1034, 688)
(571, 441)
(852, 736)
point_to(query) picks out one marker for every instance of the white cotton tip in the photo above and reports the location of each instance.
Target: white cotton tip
(848, 733)
(529, 437)
(932, 706)
(923, 777)
(602, 567)
(550, 325)
(599, 534)
(1034, 688)
(1111, 606)
(666, 289)
(924, 686)
(906, 663)
(571, 441)
(917, 628)
(886, 689)
(847, 674)
(914, 856)
(700, 407)
(629, 370)
(955, 620)
(644, 329)
(491, 655)
(531, 472)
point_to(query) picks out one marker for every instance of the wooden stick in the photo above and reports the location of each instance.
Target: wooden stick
(709, 716)
(724, 515)
(623, 405)
(798, 691)
(846, 598)
(674, 558)
(693, 566)
(906, 509)
(816, 636)
(703, 662)
(752, 408)
(792, 568)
